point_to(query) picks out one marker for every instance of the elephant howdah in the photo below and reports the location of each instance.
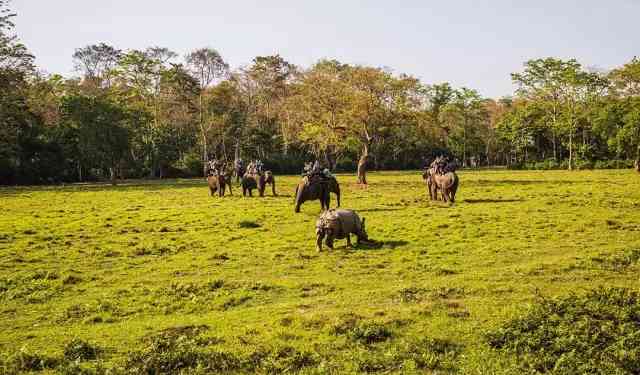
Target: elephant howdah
(339, 224)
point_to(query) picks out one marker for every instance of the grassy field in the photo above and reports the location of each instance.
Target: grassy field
(158, 276)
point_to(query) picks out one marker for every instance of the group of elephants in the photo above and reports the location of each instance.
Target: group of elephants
(315, 184)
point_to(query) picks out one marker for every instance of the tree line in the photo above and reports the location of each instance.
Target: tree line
(152, 113)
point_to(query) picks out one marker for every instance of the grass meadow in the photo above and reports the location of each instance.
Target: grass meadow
(159, 277)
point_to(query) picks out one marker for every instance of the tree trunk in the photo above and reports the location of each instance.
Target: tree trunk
(362, 164)
(553, 140)
(79, 172)
(329, 160)
(570, 150)
(204, 139)
(113, 175)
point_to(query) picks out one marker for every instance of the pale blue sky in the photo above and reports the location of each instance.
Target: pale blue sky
(468, 43)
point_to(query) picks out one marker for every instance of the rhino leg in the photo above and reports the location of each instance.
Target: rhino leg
(349, 240)
(329, 242)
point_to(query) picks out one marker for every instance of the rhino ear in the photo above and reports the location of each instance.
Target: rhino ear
(363, 219)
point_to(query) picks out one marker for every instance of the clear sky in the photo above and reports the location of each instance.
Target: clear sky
(468, 43)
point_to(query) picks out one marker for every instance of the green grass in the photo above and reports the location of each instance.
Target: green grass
(161, 272)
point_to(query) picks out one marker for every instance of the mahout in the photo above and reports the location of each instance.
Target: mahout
(339, 224)
(316, 184)
(239, 169)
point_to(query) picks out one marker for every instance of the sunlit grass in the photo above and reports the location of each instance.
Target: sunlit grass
(114, 266)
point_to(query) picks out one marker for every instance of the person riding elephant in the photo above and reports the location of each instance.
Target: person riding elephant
(214, 167)
(257, 178)
(239, 169)
(316, 184)
(441, 175)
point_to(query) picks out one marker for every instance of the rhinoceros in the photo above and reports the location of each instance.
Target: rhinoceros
(339, 223)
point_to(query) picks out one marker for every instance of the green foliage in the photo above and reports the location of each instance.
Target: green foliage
(592, 333)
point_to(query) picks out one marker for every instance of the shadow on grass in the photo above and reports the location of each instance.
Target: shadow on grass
(379, 209)
(493, 200)
(379, 245)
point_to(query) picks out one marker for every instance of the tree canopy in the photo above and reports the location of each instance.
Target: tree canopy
(151, 113)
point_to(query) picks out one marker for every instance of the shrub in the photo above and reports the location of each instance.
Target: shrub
(618, 262)
(26, 361)
(80, 350)
(594, 333)
(184, 350)
(369, 333)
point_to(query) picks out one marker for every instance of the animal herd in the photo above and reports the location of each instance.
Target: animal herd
(317, 184)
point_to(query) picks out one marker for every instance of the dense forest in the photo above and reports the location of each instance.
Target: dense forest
(151, 113)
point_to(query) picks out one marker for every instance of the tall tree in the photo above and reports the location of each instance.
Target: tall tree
(626, 83)
(206, 65)
(96, 62)
(439, 96)
(466, 116)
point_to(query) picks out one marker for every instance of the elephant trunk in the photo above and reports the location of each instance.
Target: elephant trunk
(299, 200)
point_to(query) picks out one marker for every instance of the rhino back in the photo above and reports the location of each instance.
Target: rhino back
(349, 221)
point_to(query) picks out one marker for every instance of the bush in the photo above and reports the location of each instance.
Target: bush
(80, 350)
(185, 350)
(26, 361)
(596, 333)
(193, 165)
(584, 164)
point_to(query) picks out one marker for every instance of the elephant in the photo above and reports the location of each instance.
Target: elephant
(431, 186)
(267, 179)
(248, 182)
(316, 188)
(339, 224)
(258, 181)
(218, 182)
(447, 183)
